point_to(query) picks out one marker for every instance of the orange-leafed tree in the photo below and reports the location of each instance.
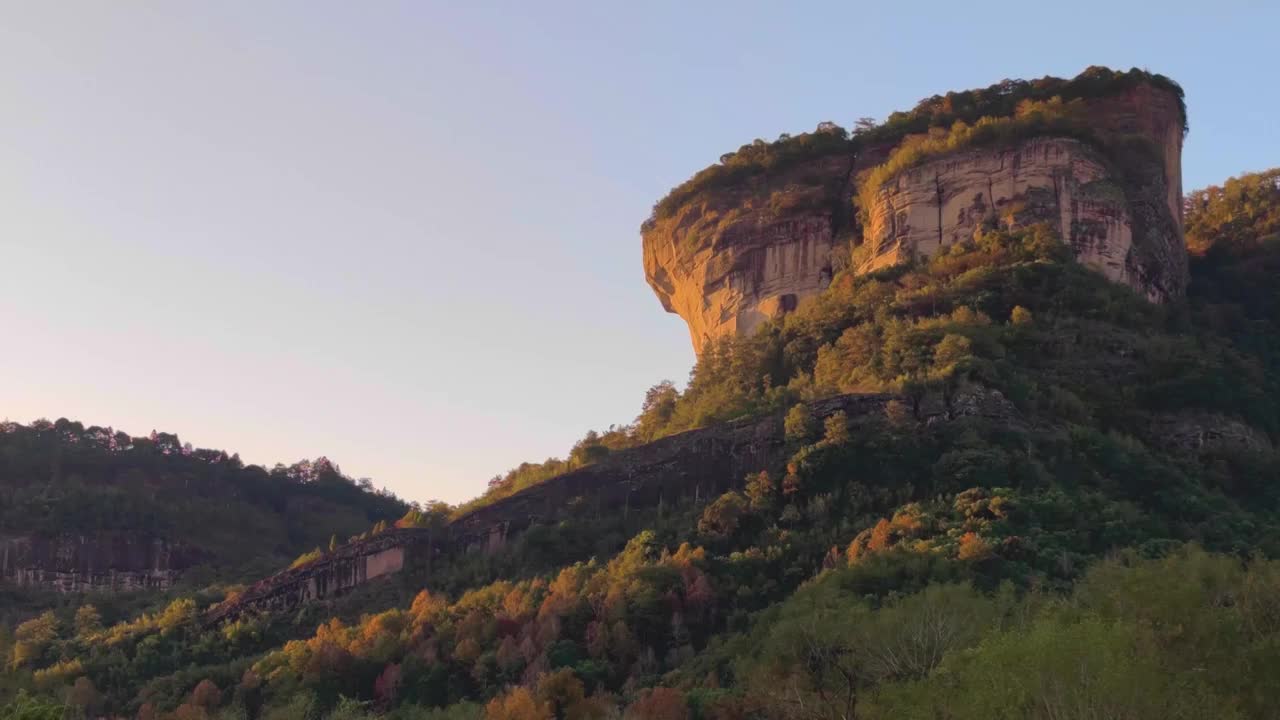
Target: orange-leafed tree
(660, 703)
(517, 704)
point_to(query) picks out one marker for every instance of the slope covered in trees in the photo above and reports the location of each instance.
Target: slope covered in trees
(61, 479)
(1104, 549)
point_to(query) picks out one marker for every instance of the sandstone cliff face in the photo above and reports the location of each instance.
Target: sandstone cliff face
(1153, 114)
(1059, 181)
(728, 264)
(737, 256)
(81, 564)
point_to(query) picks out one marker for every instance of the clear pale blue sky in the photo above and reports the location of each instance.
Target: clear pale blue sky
(405, 235)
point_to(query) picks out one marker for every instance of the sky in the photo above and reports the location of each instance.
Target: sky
(405, 236)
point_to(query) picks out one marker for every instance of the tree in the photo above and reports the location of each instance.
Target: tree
(27, 707)
(898, 414)
(32, 638)
(829, 649)
(588, 450)
(1020, 316)
(659, 703)
(88, 621)
(657, 410)
(206, 694)
(1085, 668)
(836, 429)
(721, 518)
(350, 709)
(179, 613)
(562, 692)
(760, 490)
(799, 425)
(1242, 215)
(951, 349)
(517, 704)
(973, 547)
(85, 696)
(387, 686)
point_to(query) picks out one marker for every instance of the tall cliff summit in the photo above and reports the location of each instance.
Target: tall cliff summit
(1097, 159)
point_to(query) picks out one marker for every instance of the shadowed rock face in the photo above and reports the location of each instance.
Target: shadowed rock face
(737, 256)
(698, 463)
(1204, 432)
(695, 464)
(115, 563)
(347, 567)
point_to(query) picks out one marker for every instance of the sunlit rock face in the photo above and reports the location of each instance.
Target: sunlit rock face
(728, 263)
(1061, 182)
(758, 248)
(1129, 228)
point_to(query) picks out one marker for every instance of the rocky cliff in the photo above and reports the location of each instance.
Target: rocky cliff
(347, 567)
(1057, 181)
(78, 563)
(755, 250)
(735, 254)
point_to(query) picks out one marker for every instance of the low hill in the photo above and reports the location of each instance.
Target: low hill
(95, 510)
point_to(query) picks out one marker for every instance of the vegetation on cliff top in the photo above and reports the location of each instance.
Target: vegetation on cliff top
(938, 111)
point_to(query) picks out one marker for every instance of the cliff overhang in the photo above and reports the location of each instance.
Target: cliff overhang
(751, 239)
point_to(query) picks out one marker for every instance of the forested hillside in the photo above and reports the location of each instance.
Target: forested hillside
(95, 490)
(1104, 549)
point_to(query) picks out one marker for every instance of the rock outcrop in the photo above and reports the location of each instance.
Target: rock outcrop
(1194, 433)
(340, 571)
(1058, 181)
(753, 251)
(75, 563)
(733, 256)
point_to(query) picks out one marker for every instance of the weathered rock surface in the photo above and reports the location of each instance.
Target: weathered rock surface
(732, 258)
(1059, 181)
(347, 567)
(116, 563)
(754, 251)
(1202, 432)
